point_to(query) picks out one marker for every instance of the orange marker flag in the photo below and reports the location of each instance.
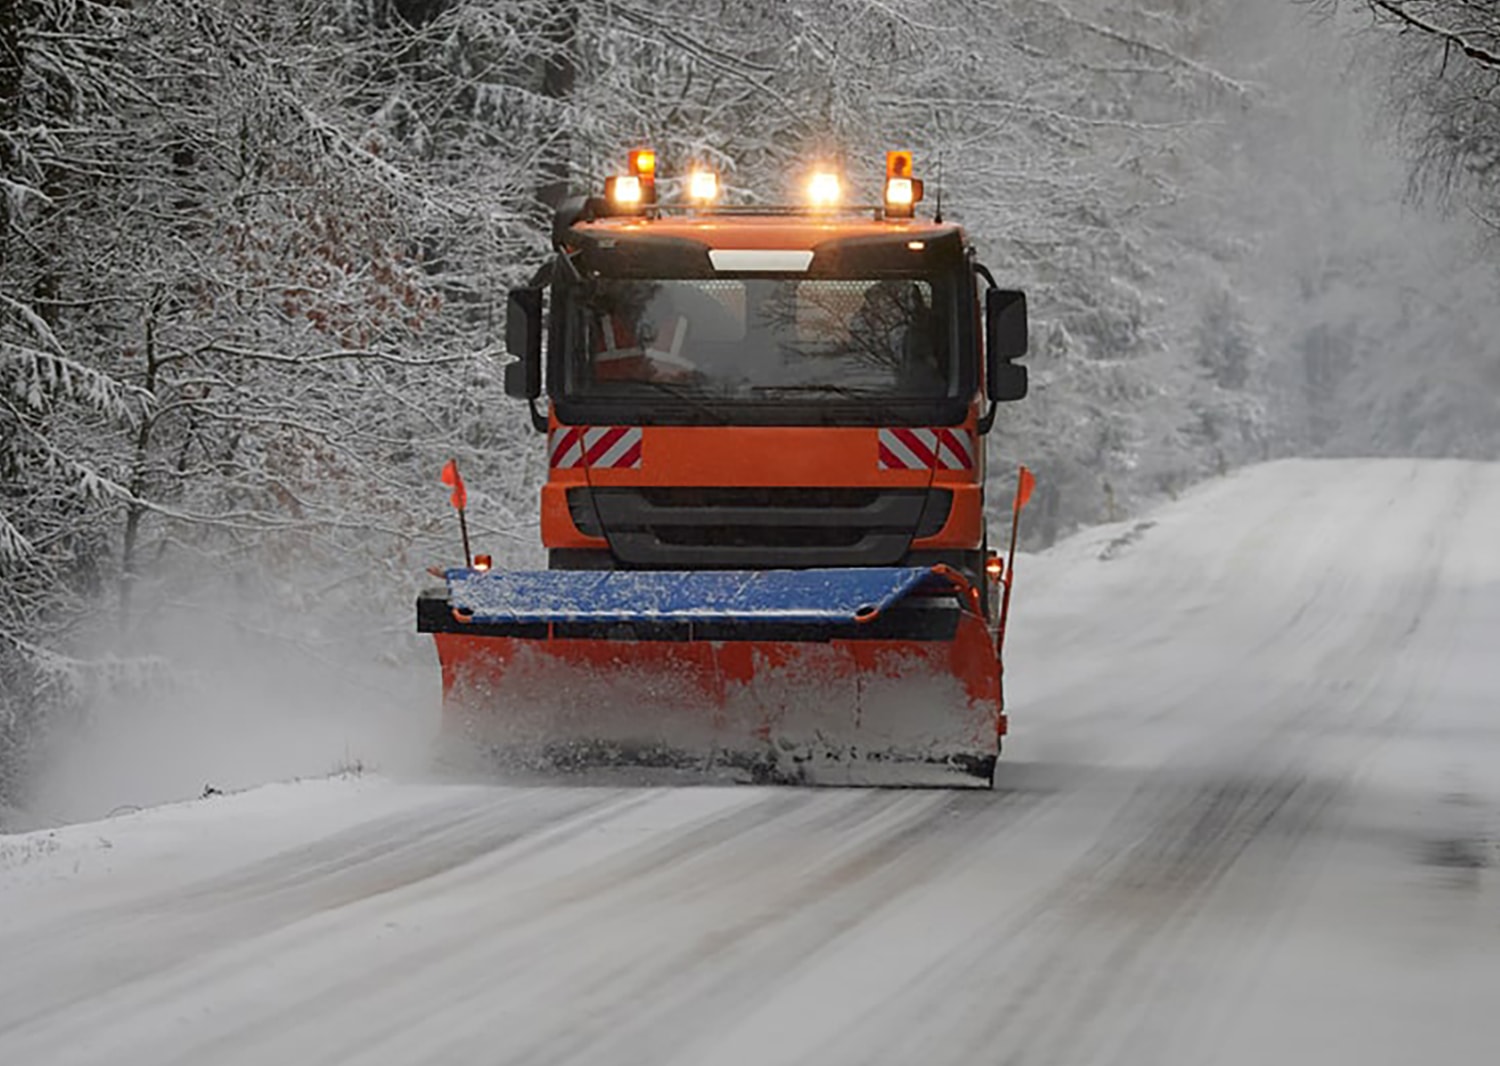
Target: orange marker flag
(1024, 484)
(460, 497)
(460, 500)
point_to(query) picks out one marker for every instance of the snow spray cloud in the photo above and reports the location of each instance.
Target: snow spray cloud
(244, 689)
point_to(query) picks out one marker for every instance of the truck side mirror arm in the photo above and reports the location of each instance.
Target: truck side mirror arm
(987, 420)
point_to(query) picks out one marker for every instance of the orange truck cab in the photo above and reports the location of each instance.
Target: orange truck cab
(745, 390)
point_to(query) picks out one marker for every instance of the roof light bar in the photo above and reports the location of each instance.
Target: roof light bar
(824, 190)
(634, 192)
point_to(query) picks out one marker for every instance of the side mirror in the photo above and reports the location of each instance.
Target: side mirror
(1006, 338)
(523, 339)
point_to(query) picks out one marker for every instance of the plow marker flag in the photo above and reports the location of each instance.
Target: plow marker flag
(460, 500)
(1025, 483)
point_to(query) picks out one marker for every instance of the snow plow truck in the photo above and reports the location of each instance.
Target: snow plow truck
(764, 511)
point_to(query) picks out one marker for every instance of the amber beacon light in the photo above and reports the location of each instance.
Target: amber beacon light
(902, 191)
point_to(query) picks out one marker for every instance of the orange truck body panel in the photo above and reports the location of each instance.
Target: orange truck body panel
(768, 457)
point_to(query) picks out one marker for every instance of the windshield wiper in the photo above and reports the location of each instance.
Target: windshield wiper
(691, 396)
(879, 401)
(846, 391)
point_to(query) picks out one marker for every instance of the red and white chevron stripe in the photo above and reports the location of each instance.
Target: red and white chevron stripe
(596, 447)
(926, 449)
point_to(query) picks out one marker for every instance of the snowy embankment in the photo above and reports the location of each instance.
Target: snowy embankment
(1249, 814)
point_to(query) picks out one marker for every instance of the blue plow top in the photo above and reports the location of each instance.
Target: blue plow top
(800, 596)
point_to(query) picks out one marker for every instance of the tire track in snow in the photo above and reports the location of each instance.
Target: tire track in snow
(860, 836)
(700, 985)
(684, 875)
(279, 891)
(241, 947)
(1116, 935)
(1157, 886)
(1322, 643)
(1195, 598)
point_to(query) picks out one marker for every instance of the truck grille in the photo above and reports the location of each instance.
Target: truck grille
(759, 528)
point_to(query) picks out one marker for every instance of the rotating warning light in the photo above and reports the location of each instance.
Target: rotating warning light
(993, 567)
(643, 163)
(703, 186)
(902, 191)
(823, 190)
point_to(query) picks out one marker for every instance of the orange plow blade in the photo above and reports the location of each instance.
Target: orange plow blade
(863, 677)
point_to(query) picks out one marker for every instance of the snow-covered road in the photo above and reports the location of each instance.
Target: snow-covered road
(1250, 814)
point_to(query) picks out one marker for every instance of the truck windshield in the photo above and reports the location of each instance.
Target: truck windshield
(761, 340)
